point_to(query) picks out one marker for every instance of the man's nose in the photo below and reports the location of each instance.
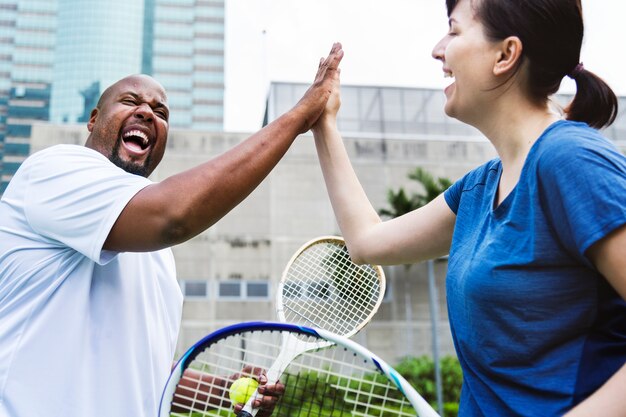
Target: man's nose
(144, 111)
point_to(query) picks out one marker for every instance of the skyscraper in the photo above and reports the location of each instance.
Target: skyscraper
(57, 56)
(188, 59)
(27, 40)
(96, 44)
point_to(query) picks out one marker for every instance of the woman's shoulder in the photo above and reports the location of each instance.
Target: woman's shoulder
(569, 143)
(567, 136)
(569, 149)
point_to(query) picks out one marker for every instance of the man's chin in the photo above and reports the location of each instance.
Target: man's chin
(131, 167)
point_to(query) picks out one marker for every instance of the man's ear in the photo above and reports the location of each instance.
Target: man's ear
(509, 55)
(92, 119)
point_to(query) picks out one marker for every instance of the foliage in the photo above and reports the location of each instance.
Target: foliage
(401, 203)
(420, 372)
(432, 187)
(312, 393)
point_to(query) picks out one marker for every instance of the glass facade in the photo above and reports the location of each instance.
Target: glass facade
(188, 60)
(56, 57)
(397, 113)
(380, 112)
(27, 41)
(97, 42)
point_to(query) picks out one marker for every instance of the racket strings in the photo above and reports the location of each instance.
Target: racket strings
(332, 381)
(324, 288)
(341, 381)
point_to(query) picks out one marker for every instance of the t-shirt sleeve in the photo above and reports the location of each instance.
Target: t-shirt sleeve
(453, 194)
(74, 195)
(478, 176)
(583, 187)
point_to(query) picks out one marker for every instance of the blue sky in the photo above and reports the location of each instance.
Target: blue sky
(386, 42)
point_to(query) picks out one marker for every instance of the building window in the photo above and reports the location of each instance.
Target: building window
(229, 289)
(195, 288)
(243, 290)
(258, 290)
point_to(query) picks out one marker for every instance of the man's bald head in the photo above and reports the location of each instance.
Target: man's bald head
(113, 87)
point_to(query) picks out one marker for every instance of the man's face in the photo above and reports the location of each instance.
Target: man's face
(130, 125)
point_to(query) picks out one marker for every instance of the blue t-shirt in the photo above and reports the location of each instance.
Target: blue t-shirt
(536, 328)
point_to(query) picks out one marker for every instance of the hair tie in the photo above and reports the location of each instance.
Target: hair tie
(576, 71)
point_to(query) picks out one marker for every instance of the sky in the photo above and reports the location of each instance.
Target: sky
(386, 43)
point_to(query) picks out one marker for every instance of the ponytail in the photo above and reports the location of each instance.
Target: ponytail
(594, 103)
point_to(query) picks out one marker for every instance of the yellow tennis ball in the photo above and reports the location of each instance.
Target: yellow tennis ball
(242, 389)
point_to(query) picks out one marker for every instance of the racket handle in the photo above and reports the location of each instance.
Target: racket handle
(243, 413)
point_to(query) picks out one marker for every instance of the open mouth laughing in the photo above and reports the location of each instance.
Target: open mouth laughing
(136, 140)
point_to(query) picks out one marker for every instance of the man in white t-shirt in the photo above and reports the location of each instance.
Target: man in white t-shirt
(89, 304)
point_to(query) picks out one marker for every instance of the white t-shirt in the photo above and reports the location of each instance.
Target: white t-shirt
(83, 331)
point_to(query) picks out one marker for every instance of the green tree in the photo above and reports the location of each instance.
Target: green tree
(400, 203)
(420, 372)
(432, 186)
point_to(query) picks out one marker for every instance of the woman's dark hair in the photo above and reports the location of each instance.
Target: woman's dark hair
(551, 32)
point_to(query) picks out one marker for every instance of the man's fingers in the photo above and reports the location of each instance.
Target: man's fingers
(265, 402)
(251, 371)
(277, 389)
(334, 57)
(330, 63)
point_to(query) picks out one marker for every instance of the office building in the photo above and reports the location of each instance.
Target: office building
(57, 56)
(27, 41)
(188, 59)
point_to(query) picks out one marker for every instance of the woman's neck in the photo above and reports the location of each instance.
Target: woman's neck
(513, 127)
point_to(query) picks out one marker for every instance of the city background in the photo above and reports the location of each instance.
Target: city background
(56, 57)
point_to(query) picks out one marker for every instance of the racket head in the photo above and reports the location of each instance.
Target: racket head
(343, 379)
(321, 287)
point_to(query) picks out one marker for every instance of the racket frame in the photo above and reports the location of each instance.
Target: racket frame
(338, 240)
(417, 401)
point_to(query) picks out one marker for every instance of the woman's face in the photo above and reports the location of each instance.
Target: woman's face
(468, 57)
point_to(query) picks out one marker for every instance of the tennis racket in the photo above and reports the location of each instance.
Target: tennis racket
(342, 379)
(321, 287)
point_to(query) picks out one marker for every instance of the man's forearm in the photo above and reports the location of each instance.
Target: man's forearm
(184, 205)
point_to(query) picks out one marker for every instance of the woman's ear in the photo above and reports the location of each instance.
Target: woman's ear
(509, 55)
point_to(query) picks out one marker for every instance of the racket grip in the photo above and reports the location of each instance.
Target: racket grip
(243, 413)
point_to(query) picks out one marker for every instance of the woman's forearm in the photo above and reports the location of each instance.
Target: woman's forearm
(608, 401)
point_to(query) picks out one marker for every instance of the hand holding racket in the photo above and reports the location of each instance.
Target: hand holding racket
(344, 379)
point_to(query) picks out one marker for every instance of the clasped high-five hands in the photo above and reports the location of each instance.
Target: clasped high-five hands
(314, 101)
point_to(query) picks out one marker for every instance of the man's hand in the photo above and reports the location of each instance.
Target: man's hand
(268, 394)
(312, 104)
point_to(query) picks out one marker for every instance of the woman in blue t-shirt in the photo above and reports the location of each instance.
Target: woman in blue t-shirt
(537, 237)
